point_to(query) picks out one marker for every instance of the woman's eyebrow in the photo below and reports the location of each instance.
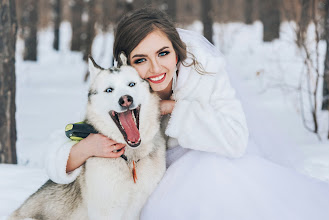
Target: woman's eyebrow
(139, 55)
(165, 47)
(158, 51)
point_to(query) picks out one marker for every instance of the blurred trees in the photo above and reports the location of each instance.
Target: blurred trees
(8, 28)
(183, 12)
(248, 11)
(76, 7)
(171, 9)
(90, 29)
(57, 21)
(325, 89)
(29, 27)
(269, 14)
(207, 19)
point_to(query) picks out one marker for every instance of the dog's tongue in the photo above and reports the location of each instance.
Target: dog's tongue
(128, 123)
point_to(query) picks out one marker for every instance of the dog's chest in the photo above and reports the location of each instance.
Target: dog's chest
(111, 180)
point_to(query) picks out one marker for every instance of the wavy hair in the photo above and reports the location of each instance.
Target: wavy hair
(135, 26)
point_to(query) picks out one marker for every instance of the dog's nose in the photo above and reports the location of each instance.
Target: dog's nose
(126, 101)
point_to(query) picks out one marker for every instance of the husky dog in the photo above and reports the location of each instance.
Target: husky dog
(122, 107)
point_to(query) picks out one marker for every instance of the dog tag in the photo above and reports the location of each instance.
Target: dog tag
(134, 172)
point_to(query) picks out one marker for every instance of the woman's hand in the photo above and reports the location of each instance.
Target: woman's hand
(98, 145)
(166, 106)
(95, 145)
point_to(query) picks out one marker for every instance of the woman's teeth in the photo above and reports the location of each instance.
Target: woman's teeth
(158, 78)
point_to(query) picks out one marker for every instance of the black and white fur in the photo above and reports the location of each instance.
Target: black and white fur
(105, 188)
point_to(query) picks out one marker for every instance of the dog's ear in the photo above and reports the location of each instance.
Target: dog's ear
(122, 59)
(94, 69)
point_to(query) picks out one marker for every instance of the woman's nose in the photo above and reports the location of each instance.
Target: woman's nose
(155, 66)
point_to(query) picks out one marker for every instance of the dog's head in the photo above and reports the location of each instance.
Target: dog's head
(120, 103)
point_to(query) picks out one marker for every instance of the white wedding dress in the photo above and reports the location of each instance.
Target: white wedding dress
(260, 185)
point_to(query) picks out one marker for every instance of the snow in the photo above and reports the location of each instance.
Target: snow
(51, 93)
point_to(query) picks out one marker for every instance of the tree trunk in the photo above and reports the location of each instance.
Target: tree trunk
(325, 91)
(57, 22)
(8, 29)
(304, 20)
(106, 11)
(29, 28)
(171, 11)
(248, 11)
(90, 30)
(270, 17)
(207, 19)
(90, 33)
(76, 22)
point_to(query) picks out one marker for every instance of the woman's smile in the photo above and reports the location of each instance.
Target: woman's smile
(158, 78)
(155, 60)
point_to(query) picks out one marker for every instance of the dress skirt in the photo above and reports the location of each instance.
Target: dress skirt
(201, 185)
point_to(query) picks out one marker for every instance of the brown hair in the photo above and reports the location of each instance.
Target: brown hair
(134, 27)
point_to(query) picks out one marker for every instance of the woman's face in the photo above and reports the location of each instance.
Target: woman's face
(154, 58)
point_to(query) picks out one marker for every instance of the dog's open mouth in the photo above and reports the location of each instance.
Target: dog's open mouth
(128, 124)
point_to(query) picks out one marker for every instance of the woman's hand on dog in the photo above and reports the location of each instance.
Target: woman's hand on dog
(103, 146)
(95, 145)
(166, 106)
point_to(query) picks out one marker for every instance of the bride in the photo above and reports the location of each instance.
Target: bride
(211, 174)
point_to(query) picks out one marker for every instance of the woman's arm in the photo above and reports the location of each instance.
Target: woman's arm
(207, 116)
(95, 145)
(64, 158)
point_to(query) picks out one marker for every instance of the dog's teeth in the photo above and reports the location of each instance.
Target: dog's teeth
(134, 117)
(121, 125)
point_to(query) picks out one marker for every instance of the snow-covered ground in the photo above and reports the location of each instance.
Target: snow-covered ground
(51, 93)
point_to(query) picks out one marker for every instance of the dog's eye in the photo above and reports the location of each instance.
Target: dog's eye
(132, 84)
(108, 90)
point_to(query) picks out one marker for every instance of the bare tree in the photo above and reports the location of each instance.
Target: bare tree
(90, 29)
(248, 11)
(325, 91)
(90, 32)
(310, 77)
(77, 7)
(270, 16)
(171, 9)
(29, 22)
(57, 22)
(207, 19)
(8, 27)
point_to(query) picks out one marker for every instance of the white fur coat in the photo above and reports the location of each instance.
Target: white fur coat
(206, 117)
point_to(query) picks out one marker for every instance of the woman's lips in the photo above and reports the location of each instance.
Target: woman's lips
(157, 79)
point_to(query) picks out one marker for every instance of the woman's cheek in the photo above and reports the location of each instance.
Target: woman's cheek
(141, 72)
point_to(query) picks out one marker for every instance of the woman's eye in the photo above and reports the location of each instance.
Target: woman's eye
(108, 90)
(163, 53)
(132, 84)
(139, 61)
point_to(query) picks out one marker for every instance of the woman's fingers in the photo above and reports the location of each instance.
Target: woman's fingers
(117, 147)
(166, 106)
(116, 153)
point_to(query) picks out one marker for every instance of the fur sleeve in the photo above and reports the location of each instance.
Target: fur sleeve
(207, 116)
(56, 161)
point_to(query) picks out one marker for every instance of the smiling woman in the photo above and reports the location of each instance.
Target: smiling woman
(156, 65)
(209, 175)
